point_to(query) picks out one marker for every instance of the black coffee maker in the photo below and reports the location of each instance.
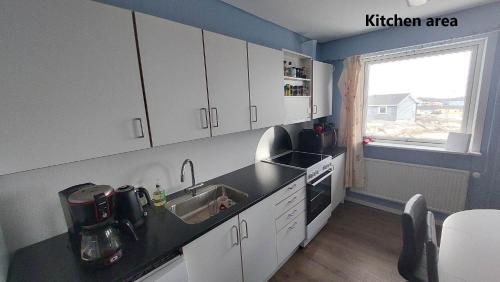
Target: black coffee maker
(93, 230)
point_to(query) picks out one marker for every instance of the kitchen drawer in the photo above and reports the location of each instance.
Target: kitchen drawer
(290, 214)
(289, 202)
(291, 236)
(289, 189)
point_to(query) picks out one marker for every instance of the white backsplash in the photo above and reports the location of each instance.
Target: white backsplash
(4, 258)
(30, 210)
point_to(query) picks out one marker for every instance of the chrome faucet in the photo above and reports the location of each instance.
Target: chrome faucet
(193, 186)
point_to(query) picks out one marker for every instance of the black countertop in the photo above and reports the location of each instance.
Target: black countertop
(330, 151)
(160, 239)
(334, 151)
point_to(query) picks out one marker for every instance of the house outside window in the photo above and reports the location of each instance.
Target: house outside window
(419, 96)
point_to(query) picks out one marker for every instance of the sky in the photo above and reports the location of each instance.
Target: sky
(438, 76)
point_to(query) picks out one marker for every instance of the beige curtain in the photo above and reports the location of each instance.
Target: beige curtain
(351, 121)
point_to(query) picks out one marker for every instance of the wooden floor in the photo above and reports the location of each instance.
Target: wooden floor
(358, 244)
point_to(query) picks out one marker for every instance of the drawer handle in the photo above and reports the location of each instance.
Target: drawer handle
(216, 118)
(292, 200)
(292, 213)
(204, 117)
(293, 226)
(293, 186)
(237, 236)
(141, 128)
(246, 229)
(254, 107)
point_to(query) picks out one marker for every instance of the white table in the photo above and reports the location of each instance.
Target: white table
(470, 247)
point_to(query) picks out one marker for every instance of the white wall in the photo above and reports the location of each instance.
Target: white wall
(29, 205)
(4, 258)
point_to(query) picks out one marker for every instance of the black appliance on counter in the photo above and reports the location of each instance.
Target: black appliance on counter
(93, 231)
(129, 206)
(317, 140)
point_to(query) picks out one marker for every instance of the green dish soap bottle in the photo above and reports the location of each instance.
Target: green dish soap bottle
(159, 198)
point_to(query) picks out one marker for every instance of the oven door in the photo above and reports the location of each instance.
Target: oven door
(319, 194)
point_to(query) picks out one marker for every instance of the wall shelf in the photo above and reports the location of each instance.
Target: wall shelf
(297, 78)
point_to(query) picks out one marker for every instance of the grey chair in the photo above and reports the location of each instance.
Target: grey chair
(412, 264)
(431, 249)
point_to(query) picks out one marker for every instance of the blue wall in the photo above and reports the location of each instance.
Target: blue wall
(483, 192)
(217, 16)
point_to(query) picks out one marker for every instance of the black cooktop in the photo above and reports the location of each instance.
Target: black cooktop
(298, 159)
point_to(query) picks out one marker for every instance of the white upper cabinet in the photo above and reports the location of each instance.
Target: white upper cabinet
(265, 68)
(227, 78)
(174, 79)
(322, 89)
(69, 82)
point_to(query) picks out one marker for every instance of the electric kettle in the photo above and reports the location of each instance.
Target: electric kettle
(128, 204)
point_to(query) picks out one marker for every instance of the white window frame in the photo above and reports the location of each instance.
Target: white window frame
(473, 120)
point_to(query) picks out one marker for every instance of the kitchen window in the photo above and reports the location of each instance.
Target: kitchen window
(419, 95)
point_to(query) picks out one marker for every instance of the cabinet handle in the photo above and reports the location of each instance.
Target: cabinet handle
(293, 226)
(140, 126)
(246, 229)
(315, 107)
(203, 115)
(216, 117)
(292, 200)
(254, 107)
(292, 213)
(237, 236)
(293, 186)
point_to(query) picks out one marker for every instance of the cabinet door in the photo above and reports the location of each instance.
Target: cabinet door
(298, 109)
(265, 72)
(338, 190)
(70, 83)
(258, 241)
(227, 78)
(215, 256)
(322, 89)
(174, 79)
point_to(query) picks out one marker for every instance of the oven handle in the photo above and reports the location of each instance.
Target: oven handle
(330, 171)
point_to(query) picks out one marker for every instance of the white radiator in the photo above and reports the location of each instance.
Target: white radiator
(444, 189)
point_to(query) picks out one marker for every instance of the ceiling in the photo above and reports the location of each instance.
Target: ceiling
(326, 20)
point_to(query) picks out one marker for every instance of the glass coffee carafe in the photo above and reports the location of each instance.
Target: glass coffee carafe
(100, 244)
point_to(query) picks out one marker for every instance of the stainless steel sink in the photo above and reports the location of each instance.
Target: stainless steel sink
(202, 206)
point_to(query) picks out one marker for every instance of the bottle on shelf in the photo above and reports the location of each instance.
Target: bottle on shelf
(289, 73)
(285, 69)
(298, 72)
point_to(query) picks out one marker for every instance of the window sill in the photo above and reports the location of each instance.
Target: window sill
(419, 148)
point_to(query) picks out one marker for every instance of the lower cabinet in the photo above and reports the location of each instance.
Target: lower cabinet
(290, 219)
(258, 241)
(215, 256)
(290, 237)
(250, 246)
(245, 244)
(338, 190)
